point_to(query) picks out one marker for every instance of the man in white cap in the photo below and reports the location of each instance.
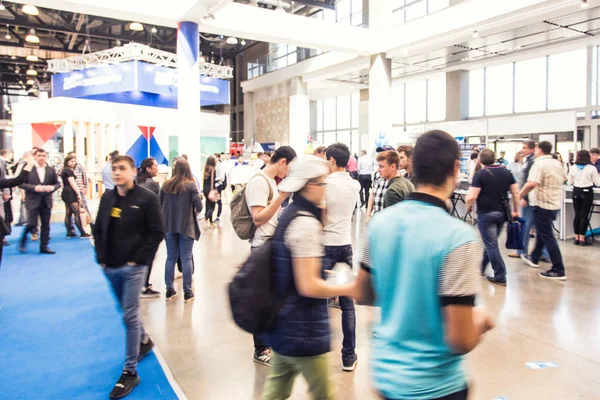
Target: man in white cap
(300, 337)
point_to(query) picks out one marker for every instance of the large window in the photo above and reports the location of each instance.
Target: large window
(530, 85)
(567, 80)
(436, 99)
(476, 92)
(337, 121)
(419, 101)
(416, 101)
(409, 10)
(349, 12)
(499, 90)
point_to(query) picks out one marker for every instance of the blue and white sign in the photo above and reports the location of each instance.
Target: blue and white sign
(135, 82)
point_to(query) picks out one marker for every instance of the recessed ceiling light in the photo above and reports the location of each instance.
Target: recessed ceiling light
(584, 4)
(475, 34)
(7, 36)
(32, 58)
(154, 30)
(232, 40)
(32, 37)
(243, 42)
(30, 10)
(2, 7)
(136, 26)
(13, 57)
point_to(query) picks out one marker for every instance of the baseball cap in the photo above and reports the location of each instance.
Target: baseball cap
(387, 147)
(302, 170)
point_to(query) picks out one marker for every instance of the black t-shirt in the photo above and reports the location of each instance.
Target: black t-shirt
(66, 174)
(115, 255)
(494, 181)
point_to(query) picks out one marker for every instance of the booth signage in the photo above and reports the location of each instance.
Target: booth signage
(95, 81)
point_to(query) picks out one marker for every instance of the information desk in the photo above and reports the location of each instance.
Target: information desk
(568, 213)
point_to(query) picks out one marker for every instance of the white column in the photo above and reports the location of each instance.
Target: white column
(380, 14)
(363, 119)
(68, 132)
(101, 149)
(111, 143)
(91, 147)
(299, 121)
(457, 95)
(188, 97)
(120, 139)
(80, 134)
(380, 94)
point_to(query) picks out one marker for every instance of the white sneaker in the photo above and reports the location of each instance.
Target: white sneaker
(529, 261)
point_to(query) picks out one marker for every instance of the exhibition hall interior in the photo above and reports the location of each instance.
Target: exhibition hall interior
(305, 199)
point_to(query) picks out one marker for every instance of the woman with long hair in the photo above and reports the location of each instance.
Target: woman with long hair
(180, 202)
(146, 173)
(583, 176)
(208, 186)
(72, 198)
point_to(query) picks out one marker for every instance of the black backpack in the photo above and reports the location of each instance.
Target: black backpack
(251, 292)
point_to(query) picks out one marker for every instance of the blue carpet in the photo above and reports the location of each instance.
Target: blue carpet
(61, 335)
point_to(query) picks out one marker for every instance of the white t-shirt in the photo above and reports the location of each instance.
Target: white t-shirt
(257, 194)
(342, 195)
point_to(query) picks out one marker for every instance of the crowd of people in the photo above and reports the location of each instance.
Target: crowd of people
(305, 206)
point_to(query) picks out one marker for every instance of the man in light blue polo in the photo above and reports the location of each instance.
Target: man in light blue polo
(421, 266)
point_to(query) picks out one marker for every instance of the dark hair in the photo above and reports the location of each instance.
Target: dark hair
(435, 156)
(595, 150)
(66, 161)
(125, 159)
(143, 175)
(339, 152)
(267, 153)
(487, 157)
(182, 174)
(284, 152)
(530, 144)
(474, 156)
(114, 154)
(545, 147)
(364, 152)
(406, 149)
(583, 158)
(259, 154)
(3, 152)
(211, 164)
(320, 150)
(390, 156)
(40, 151)
(185, 157)
(217, 155)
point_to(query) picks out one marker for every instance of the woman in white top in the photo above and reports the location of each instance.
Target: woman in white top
(583, 177)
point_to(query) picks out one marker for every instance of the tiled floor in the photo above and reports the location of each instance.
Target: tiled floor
(537, 320)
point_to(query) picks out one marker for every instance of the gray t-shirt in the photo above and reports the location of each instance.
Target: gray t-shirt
(304, 237)
(257, 194)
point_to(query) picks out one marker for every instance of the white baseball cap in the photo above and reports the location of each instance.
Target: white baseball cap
(302, 170)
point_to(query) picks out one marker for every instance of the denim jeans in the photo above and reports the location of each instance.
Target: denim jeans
(179, 246)
(127, 282)
(343, 254)
(490, 225)
(260, 344)
(545, 238)
(527, 215)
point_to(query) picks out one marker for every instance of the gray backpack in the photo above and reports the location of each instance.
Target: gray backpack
(241, 217)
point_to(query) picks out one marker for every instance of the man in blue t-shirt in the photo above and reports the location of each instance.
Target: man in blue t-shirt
(421, 266)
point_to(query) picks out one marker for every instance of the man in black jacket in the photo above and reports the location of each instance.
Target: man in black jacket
(127, 233)
(40, 185)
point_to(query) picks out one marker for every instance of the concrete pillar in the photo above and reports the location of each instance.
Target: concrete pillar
(299, 121)
(363, 119)
(91, 134)
(313, 120)
(68, 137)
(380, 94)
(80, 134)
(111, 140)
(101, 148)
(457, 95)
(188, 93)
(249, 117)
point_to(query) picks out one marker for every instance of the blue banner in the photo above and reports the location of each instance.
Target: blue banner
(95, 81)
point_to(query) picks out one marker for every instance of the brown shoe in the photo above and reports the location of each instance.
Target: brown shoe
(34, 236)
(514, 255)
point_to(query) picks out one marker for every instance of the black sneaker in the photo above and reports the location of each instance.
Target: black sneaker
(188, 297)
(47, 251)
(576, 242)
(553, 275)
(349, 364)
(71, 235)
(125, 385)
(501, 282)
(171, 293)
(148, 293)
(145, 348)
(85, 236)
(263, 358)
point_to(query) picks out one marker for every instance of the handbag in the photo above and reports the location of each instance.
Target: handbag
(514, 234)
(214, 194)
(86, 218)
(505, 203)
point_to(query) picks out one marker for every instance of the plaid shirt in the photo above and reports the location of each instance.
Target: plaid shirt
(81, 178)
(380, 186)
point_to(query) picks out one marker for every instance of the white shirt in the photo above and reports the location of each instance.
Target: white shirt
(41, 171)
(220, 174)
(342, 195)
(584, 177)
(365, 165)
(257, 194)
(107, 177)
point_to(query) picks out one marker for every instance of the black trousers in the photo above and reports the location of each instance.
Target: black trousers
(210, 210)
(43, 212)
(582, 203)
(365, 188)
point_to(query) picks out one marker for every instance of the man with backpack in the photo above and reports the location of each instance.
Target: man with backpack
(300, 333)
(261, 212)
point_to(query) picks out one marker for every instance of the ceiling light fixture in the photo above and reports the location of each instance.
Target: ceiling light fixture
(32, 37)
(32, 58)
(243, 42)
(2, 7)
(30, 10)
(232, 40)
(154, 30)
(584, 4)
(31, 72)
(475, 34)
(136, 26)
(30, 81)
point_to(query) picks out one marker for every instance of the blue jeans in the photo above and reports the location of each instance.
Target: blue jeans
(527, 215)
(343, 254)
(179, 246)
(545, 238)
(490, 226)
(127, 282)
